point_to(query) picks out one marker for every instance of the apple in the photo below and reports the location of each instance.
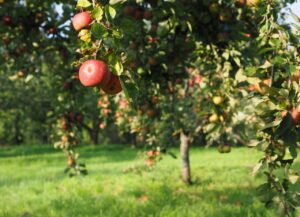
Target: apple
(113, 87)
(133, 45)
(214, 8)
(260, 86)
(79, 118)
(213, 118)
(152, 61)
(191, 83)
(296, 76)
(64, 139)
(94, 72)
(153, 28)
(225, 15)
(71, 162)
(150, 153)
(218, 100)
(253, 3)
(154, 100)
(151, 112)
(128, 10)
(21, 74)
(134, 65)
(147, 15)
(81, 20)
(240, 3)
(138, 14)
(149, 162)
(295, 116)
(7, 20)
(67, 85)
(51, 30)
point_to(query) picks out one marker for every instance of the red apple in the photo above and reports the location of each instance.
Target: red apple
(138, 14)
(7, 20)
(147, 15)
(81, 20)
(113, 86)
(295, 116)
(94, 72)
(128, 10)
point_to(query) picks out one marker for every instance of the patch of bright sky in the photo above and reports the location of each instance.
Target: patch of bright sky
(295, 8)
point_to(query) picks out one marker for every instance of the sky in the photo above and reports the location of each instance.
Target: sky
(295, 8)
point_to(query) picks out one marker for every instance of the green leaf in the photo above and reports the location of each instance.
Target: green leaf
(118, 66)
(110, 12)
(97, 13)
(116, 33)
(295, 17)
(83, 4)
(113, 2)
(99, 31)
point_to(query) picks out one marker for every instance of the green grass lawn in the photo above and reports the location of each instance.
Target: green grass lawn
(32, 183)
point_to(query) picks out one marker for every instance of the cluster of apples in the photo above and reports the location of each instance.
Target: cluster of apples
(95, 72)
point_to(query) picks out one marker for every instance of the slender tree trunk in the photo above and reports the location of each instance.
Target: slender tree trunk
(95, 132)
(185, 165)
(18, 135)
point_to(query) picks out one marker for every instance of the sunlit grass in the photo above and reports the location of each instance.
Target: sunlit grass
(32, 183)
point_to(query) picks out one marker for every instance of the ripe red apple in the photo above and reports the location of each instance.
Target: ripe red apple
(94, 72)
(154, 100)
(7, 20)
(71, 161)
(51, 30)
(138, 14)
(133, 45)
(150, 153)
(151, 112)
(147, 15)
(295, 116)
(81, 20)
(79, 118)
(128, 10)
(113, 87)
(152, 61)
(67, 85)
(240, 3)
(153, 28)
(149, 162)
(134, 65)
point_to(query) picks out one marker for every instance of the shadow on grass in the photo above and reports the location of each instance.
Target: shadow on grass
(164, 201)
(109, 153)
(26, 150)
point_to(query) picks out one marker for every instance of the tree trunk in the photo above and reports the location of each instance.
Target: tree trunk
(95, 132)
(185, 158)
(18, 135)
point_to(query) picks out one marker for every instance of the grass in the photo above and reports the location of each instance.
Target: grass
(32, 184)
